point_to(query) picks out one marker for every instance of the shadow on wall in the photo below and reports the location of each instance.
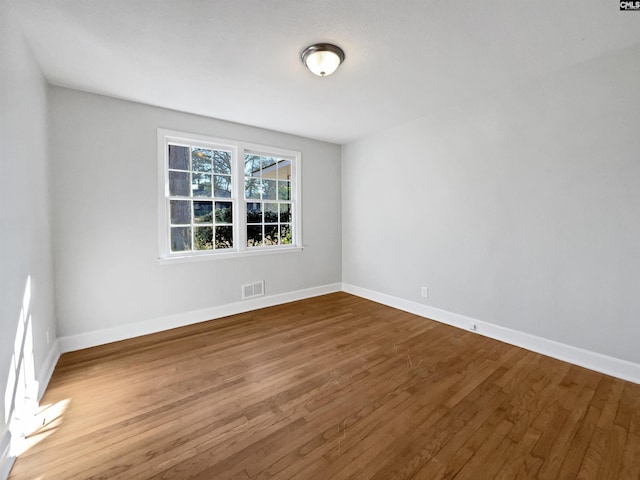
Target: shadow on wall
(27, 422)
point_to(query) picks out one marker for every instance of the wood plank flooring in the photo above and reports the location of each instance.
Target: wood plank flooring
(334, 387)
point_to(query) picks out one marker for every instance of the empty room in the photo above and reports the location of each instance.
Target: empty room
(329, 239)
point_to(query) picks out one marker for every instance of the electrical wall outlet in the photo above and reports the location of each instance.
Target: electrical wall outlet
(424, 292)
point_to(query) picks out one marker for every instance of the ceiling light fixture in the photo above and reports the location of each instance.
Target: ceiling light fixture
(322, 58)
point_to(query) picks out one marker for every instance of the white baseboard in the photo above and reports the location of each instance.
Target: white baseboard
(123, 332)
(584, 358)
(594, 361)
(6, 460)
(47, 369)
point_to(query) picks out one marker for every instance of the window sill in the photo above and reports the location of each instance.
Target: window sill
(225, 255)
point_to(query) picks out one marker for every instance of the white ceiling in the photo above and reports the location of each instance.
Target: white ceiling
(238, 60)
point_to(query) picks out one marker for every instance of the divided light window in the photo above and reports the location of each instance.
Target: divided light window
(223, 197)
(200, 206)
(267, 191)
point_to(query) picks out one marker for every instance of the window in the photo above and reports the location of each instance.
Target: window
(219, 197)
(267, 191)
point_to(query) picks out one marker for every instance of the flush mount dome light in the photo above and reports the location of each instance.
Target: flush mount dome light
(322, 58)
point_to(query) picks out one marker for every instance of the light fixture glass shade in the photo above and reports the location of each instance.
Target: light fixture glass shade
(322, 58)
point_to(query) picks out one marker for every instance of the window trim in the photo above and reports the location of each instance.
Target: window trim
(238, 150)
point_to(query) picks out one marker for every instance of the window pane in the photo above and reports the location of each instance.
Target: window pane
(224, 237)
(269, 189)
(270, 172)
(224, 212)
(284, 190)
(254, 212)
(201, 185)
(284, 170)
(179, 184)
(201, 159)
(270, 213)
(285, 212)
(178, 157)
(222, 162)
(271, 235)
(202, 211)
(252, 165)
(267, 162)
(180, 239)
(222, 185)
(252, 188)
(203, 238)
(254, 235)
(285, 234)
(180, 212)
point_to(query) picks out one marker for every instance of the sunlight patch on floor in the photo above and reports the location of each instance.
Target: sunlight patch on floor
(45, 422)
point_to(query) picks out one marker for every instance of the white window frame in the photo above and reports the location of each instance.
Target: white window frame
(238, 150)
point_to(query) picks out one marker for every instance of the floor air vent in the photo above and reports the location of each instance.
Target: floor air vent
(253, 290)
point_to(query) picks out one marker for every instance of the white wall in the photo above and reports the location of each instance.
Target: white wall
(25, 251)
(520, 210)
(104, 159)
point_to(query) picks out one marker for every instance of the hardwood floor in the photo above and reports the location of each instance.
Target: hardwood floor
(331, 387)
